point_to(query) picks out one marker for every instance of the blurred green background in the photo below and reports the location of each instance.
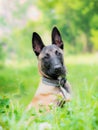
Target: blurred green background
(77, 21)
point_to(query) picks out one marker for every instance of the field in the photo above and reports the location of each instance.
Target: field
(18, 83)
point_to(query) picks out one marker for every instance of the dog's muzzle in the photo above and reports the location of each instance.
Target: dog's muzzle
(57, 69)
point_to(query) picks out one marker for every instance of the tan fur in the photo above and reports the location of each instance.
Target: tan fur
(47, 95)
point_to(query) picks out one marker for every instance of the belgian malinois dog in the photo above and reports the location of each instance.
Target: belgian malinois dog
(54, 88)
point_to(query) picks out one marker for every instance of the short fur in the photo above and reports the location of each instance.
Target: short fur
(51, 66)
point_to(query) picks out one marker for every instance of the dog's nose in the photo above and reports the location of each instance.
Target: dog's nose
(57, 68)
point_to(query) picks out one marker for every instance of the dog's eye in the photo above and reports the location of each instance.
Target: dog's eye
(47, 55)
(57, 53)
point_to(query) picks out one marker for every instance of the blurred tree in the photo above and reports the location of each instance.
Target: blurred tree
(73, 17)
(77, 20)
(85, 14)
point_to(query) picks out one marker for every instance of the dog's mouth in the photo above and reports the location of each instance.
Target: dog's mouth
(56, 73)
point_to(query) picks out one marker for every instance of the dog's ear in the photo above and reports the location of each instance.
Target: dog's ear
(37, 43)
(56, 38)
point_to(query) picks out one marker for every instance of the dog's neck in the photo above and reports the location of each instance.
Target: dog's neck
(56, 83)
(50, 82)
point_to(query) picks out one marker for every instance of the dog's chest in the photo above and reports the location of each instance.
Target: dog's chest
(46, 95)
(45, 89)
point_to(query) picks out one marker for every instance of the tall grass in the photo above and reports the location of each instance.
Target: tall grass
(18, 85)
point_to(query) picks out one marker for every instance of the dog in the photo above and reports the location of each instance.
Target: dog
(54, 89)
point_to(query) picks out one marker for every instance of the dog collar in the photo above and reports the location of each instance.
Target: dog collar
(56, 83)
(50, 82)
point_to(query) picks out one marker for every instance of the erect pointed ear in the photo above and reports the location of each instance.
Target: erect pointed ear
(37, 43)
(56, 38)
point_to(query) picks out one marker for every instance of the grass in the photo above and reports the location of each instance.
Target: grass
(18, 84)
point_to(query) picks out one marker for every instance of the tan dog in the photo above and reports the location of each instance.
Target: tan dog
(54, 89)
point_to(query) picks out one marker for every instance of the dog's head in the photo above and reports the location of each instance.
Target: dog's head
(50, 58)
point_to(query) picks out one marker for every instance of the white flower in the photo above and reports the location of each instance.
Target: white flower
(1, 128)
(45, 126)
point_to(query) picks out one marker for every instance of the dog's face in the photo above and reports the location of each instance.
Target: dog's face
(50, 58)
